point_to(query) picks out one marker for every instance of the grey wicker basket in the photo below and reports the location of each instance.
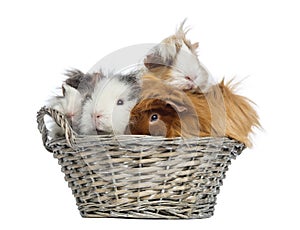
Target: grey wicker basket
(140, 176)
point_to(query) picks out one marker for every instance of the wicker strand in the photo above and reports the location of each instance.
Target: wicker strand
(61, 121)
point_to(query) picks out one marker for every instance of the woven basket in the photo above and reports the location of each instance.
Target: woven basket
(136, 176)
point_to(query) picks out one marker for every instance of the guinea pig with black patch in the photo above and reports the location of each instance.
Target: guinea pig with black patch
(108, 109)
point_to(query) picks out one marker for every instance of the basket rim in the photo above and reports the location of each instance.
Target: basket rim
(71, 136)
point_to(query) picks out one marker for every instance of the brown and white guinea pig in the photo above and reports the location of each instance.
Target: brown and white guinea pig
(164, 110)
(176, 61)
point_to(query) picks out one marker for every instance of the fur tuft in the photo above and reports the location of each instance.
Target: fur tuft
(84, 83)
(241, 116)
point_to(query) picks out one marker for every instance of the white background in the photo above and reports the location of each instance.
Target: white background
(255, 39)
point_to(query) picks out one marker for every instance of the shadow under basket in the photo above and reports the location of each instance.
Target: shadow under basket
(137, 176)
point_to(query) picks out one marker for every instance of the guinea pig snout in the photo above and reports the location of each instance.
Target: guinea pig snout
(158, 129)
(97, 116)
(70, 117)
(190, 83)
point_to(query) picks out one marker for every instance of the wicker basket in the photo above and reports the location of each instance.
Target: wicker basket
(140, 176)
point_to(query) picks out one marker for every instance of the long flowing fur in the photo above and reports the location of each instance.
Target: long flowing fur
(241, 117)
(219, 112)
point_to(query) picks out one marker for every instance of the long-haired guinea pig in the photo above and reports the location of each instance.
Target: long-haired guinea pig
(167, 111)
(176, 61)
(70, 104)
(107, 111)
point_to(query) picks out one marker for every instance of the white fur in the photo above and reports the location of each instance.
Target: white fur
(182, 55)
(167, 51)
(114, 118)
(70, 105)
(187, 64)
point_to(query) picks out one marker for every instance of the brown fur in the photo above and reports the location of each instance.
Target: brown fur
(218, 112)
(241, 117)
(161, 71)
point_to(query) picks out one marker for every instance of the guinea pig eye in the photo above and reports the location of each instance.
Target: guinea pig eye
(154, 117)
(120, 102)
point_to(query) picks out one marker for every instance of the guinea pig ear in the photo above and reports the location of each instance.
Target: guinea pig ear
(74, 77)
(63, 87)
(152, 60)
(162, 54)
(177, 107)
(97, 76)
(195, 46)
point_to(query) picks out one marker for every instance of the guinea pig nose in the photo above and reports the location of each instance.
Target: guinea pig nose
(188, 78)
(97, 116)
(69, 115)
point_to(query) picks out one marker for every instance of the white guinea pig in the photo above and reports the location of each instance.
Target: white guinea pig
(176, 60)
(108, 109)
(70, 104)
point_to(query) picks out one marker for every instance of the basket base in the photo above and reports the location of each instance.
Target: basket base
(143, 216)
(172, 212)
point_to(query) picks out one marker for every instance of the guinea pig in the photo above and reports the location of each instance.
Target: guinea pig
(70, 104)
(159, 117)
(107, 110)
(175, 60)
(167, 111)
(84, 83)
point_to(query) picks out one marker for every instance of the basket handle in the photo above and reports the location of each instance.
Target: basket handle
(61, 121)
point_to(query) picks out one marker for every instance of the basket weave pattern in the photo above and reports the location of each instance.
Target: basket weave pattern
(141, 176)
